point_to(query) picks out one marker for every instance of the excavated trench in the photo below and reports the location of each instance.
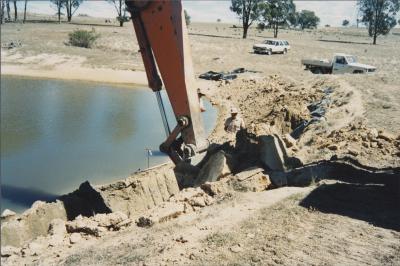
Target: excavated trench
(250, 150)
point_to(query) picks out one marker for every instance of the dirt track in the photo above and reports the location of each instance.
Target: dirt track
(333, 223)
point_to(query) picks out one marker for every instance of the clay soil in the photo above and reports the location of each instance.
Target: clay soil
(328, 223)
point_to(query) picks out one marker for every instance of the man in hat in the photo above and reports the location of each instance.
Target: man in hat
(234, 123)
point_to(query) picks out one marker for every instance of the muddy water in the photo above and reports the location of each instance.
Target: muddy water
(57, 134)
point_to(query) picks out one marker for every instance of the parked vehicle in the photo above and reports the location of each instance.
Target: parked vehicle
(271, 46)
(341, 63)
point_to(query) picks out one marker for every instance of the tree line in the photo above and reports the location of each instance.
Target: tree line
(379, 16)
(272, 14)
(6, 4)
(62, 8)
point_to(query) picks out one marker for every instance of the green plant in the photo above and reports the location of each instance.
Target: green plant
(83, 38)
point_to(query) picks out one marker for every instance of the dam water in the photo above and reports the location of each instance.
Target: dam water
(57, 134)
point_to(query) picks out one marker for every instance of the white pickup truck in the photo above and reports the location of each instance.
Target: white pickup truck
(270, 46)
(341, 63)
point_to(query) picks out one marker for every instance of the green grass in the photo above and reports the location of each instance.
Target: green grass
(83, 38)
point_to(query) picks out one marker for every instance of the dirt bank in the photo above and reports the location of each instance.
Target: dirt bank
(60, 66)
(79, 73)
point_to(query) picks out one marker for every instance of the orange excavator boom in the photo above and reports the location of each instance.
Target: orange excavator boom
(161, 32)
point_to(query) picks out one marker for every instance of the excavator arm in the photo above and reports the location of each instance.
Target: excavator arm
(163, 41)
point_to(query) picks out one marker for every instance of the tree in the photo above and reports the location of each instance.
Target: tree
(345, 23)
(293, 19)
(58, 5)
(277, 13)
(379, 16)
(8, 9)
(187, 18)
(15, 10)
(2, 2)
(26, 4)
(308, 19)
(121, 11)
(248, 11)
(72, 6)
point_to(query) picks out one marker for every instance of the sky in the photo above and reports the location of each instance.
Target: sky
(330, 12)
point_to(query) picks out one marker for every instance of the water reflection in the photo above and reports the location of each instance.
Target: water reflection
(24, 197)
(57, 134)
(18, 127)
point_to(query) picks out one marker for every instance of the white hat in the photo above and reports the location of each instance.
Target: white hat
(234, 110)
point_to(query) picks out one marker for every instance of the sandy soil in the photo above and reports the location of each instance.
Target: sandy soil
(326, 224)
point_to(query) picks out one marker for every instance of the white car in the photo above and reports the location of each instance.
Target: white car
(270, 46)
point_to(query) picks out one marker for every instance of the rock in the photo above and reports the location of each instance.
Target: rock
(124, 223)
(57, 232)
(7, 251)
(166, 211)
(374, 144)
(217, 188)
(187, 194)
(386, 136)
(372, 134)
(214, 169)
(271, 153)
(56, 240)
(110, 220)
(195, 197)
(57, 227)
(141, 191)
(36, 247)
(353, 151)
(236, 248)
(181, 239)
(75, 238)
(144, 222)
(289, 141)
(248, 173)
(365, 144)
(333, 147)
(7, 213)
(256, 183)
(32, 223)
(197, 202)
(85, 225)
(37, 204)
